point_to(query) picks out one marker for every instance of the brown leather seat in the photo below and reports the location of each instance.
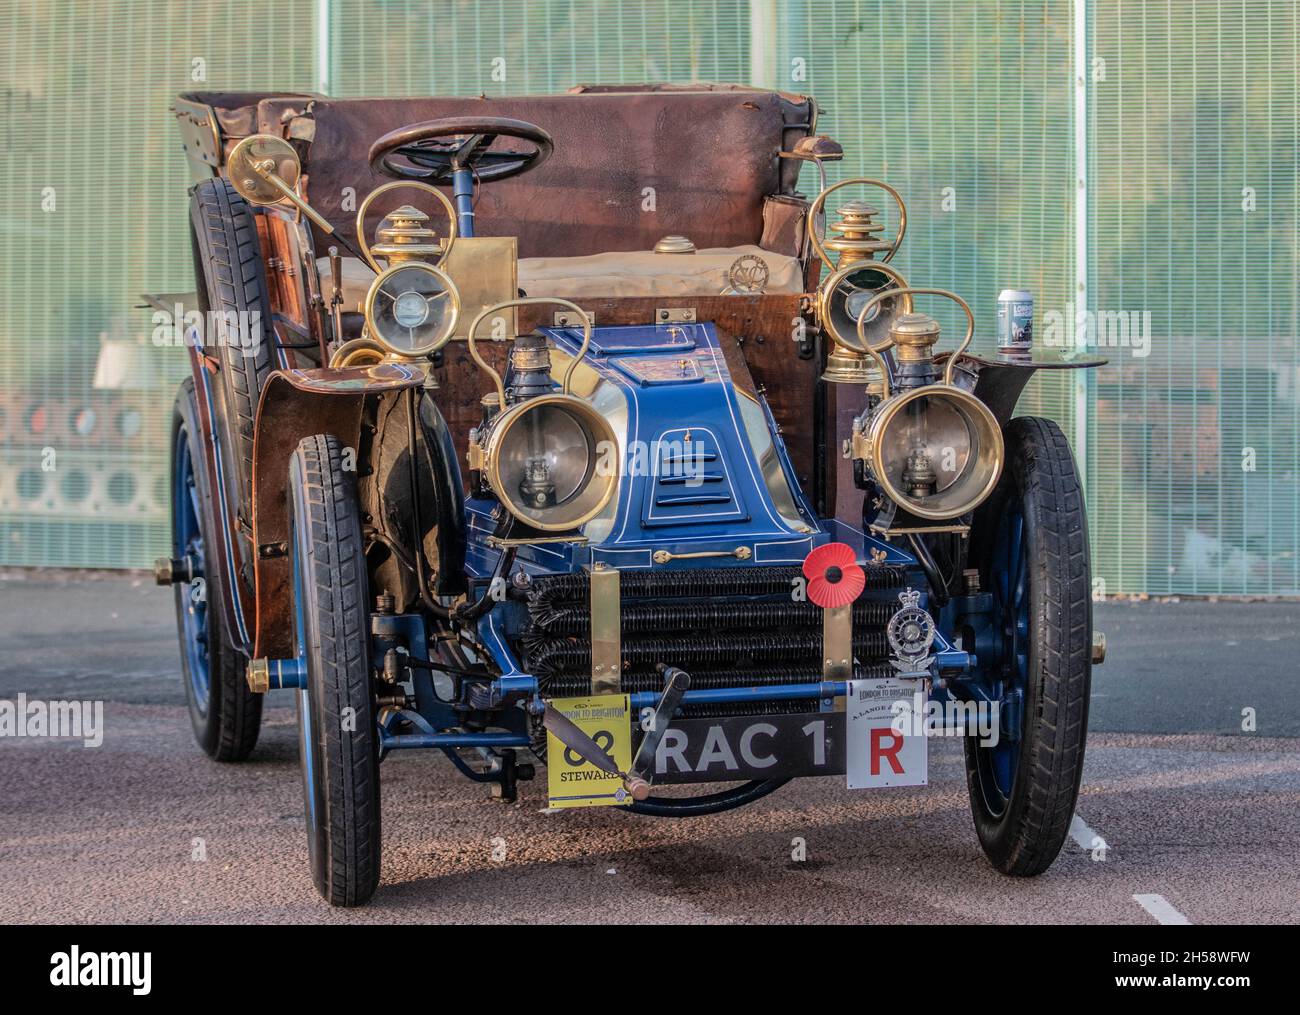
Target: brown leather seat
(629, 167)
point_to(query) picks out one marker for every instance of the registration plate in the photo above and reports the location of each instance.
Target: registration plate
(750, 747)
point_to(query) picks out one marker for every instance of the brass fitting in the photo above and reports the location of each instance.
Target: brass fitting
(859, 445)
(674, 245)
(174, 570)
(637, 787)
(915, 336)
(258, 676)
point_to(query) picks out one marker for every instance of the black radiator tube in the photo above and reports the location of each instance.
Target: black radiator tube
(551, 657)
(471, 612)
(713, 803)
(938, 587)
(714, 583)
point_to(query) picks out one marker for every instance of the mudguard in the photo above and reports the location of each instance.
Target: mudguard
(1002, 378)
(296, 404)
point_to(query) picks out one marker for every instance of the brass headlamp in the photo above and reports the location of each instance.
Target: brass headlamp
(551, 459)
(933, 448)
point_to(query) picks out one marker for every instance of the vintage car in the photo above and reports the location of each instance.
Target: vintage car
(617, 458)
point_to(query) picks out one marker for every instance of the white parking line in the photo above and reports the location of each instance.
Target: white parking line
(1159, 907)
(1086, 837)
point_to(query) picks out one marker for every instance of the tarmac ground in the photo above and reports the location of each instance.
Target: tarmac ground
(1184, 815)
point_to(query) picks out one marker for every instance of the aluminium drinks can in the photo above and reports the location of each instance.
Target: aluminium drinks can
(1015, 320)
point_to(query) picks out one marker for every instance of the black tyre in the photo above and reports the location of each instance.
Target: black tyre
(225, 714)
(339, 744)
(229, 275)
(1032, 550)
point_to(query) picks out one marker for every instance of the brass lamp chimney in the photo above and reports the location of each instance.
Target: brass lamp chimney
(915, 336)
(403, 236)
(855, 236)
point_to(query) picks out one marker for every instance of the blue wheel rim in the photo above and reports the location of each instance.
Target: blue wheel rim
(187, 540)
(1010, 572)
(304, 694)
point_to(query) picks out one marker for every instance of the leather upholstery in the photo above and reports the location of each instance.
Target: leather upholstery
(710, 157)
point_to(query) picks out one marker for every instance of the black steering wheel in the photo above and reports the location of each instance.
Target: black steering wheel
(432, 151)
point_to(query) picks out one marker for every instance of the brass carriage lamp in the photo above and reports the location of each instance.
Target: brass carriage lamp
(860, 272)
(930, 446)
(843, 300)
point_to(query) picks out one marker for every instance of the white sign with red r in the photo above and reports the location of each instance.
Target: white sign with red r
(878, 755)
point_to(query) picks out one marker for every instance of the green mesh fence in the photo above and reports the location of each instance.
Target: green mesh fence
(94, 212)
(1193, 150)
(968, 108)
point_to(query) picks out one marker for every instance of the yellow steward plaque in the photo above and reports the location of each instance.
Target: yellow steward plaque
(574, 782)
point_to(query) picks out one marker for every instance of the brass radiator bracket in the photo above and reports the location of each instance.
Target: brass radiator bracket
(606, 630)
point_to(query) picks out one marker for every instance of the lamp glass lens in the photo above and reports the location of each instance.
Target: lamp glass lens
(854, 293)
(928, 432)
(546, 459)
(858, 299)
(410, 311)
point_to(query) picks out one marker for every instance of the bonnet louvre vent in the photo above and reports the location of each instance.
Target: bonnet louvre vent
(691, 482)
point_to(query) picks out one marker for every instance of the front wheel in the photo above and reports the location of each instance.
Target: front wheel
(1031, 547)
(338, 741)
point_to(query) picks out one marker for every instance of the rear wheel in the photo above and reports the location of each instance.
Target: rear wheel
(225, 714)
(339, 743)
(1032, 551)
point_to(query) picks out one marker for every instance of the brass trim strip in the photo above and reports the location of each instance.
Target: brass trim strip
(497, 541)
(921, 529)
(606, 631)
(664, 556)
